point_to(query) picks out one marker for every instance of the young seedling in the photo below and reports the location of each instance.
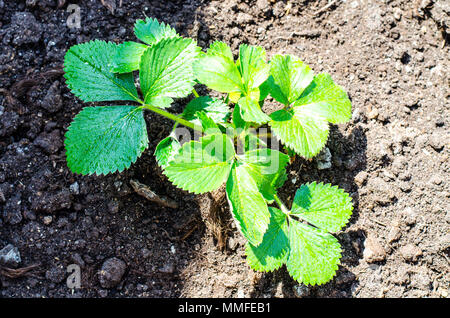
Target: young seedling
(105, 139)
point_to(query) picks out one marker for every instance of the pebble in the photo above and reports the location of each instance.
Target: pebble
(410, 252)
(373, 114)
(394, 234)
(10, 256)
(436, 142)
(360, 178)
(409, 216)
(373, 251)
(398, 14)
(112, 272)
(167, 268)
(301, 291)
(48, 219)
(74, 188)
(323, 160)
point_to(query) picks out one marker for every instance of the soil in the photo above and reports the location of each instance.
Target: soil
(393, 157)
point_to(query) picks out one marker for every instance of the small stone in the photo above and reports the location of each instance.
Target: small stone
(10, 256)
(48, 219)
(301, 291)
(436, 142)
(436, 179)
(167, 268)
(410, 252)
(74, 188)
(360, 178)
(373, 114)
(373, 251)
(324, 159)
(394, 234)
(146, 253)
(397, 14)
(112, 272)
(409, 216)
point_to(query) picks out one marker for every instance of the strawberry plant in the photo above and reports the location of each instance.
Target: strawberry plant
(106, 139)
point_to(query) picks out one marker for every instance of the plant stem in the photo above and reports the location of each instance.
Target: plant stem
(173, 117)
(195, 93)
(281, 204)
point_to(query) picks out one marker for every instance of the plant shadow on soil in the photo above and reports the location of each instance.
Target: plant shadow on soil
(104, 218)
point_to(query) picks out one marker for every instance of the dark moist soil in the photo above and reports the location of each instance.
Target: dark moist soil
(393, 157)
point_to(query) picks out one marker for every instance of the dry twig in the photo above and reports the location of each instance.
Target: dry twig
(17, 273)
(145, 192)
(329, 5)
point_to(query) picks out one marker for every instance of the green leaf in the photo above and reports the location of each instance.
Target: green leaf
(314, 254)
(208, 125)
(202, 166)
(217, 70)
(151, 31)
(166, 150)
(166, 68)
(265, 166)
(222, 49)
(159, 101)
(88, 75)
(247, 204)
(291, 76)
(252, 66)
(326, 207)
(215, 108)
(272, 253)
(251, 111)
(300, 128)
(127, 57)
(327, 99)
(105, 139)
(237, 120)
